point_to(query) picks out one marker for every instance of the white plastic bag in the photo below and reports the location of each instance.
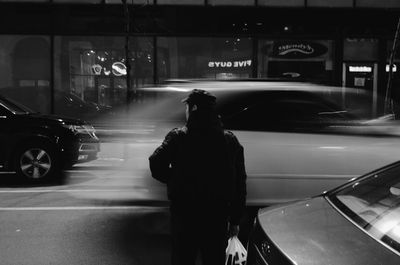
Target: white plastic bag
(236, 254)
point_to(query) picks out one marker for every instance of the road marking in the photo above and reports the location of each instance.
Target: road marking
(109, 159)
(109, 176)
(133, 189)
(84, 208)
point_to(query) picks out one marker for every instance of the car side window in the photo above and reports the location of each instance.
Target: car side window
(297, 112)
(286, 113)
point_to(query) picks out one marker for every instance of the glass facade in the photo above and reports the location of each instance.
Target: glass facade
(360, 71)
(25, 70)
(93, 71)
(70, 54)
(77, 76)
(214, 58)
(296, 59)
(395, 79)
(357, 49)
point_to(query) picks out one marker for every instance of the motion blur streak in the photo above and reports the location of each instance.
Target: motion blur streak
(121, 172)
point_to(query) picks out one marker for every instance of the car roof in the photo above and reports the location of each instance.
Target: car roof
(186, 85)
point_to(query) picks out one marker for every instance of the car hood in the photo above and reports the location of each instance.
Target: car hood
(313, 232)
(48, 119)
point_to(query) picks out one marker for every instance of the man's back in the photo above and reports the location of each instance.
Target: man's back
(203, 166)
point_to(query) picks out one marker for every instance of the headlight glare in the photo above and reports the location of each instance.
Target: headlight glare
(77, 129)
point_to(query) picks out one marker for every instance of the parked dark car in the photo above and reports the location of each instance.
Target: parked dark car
(38, 146)
(357, 223)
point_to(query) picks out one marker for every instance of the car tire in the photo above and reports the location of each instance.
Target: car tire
(36, 162)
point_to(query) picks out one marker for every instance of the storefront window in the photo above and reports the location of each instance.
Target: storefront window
(180, 2)
(214, 58)
(360, 49)
(90, 73)
(395, 80)
(360, 71)
(143, 2)
(232, 2)
(296, 59)
(25, 71)
(396, 59)
(78, 1)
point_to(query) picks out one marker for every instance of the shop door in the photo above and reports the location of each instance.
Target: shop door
(362, 76)
(111, 91)
(310, 70)
(395, 87)
(104, 91)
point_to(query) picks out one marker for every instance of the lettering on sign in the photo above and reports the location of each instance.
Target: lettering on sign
(360, 69)
(229, 64)
(298, 49)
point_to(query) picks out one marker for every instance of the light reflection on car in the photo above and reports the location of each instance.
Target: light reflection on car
(357, 223)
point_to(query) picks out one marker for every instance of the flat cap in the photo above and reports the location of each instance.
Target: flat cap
(201, 98)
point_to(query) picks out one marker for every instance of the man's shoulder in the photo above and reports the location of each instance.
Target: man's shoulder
(176, 132)
(229, 134)
(231, 138)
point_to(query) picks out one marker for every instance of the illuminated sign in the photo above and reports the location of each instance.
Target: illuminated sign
(394, 68)
(229, 64)
(96, 68)
(117, 68)
(298, 49)
(292, 74)
(292, 48)
(360, 69)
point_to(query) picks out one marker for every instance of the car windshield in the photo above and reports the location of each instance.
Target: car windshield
(14, 107)
(374, 204)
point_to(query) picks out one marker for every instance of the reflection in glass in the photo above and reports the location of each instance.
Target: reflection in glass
(94, 69)
(25, 70)
(374, 204)
(214, 58)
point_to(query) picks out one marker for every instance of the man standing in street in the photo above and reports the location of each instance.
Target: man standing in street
(203, 167)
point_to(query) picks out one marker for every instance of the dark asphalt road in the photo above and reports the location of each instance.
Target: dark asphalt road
(100, 214)
(72, 236)
(108, 211)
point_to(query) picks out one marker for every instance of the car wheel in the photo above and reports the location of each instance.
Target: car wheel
(36, 162)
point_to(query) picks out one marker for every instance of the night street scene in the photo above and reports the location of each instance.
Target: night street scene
(151, 132)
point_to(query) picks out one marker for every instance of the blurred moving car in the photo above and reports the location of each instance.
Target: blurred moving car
(357, 223)
(298, 138)
(37, 146)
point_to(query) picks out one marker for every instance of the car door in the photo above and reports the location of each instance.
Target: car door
(4, 134)
(290, 152)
